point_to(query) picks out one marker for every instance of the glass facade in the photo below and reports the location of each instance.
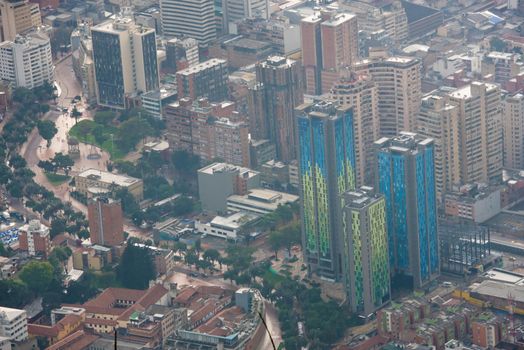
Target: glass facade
(150, 61)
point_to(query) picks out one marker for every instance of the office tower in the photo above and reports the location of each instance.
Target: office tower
(329, 44)
(207, 79)
(189, 18)
(27, 61)
(34, 239)
(105, 221)
(480, 132)
(361, 93)
(365, 251)
(399, 92)
(237, 10)
(125, 61)
(406, 177)
(513, 124)
(439, 121)
(327, 169)
(17, 17)
(280, 92)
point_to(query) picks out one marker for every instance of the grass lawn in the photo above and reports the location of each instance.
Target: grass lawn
(57, 179)
(83, 132)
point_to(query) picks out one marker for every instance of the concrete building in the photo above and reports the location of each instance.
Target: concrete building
(207, 79)
(83, 64)
(94, 182)
(181, 54)
(105, 218)
(365, 261)
(439, 121)
(13, 324)
(34, 238)
(272, 107)
(406, 177)
(259, 201)
(18, 17)
(125, 58)
(480, 132)
(513, 125)
(240, 51)
(473, 202)
(227, 227)
(93, 258)
(27, 61)
(261, 152)
(218, 181)
(399, 92)
(327, 169)
(153, 102)
(191, 18)
(361, 94)
(329, 44)
(236, 10)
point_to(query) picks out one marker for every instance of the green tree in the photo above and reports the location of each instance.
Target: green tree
(497, 44)
(37, 275)
(17, 162)
(63, 161)
(47, 130)
(14, 293)
(104, 117)
(182, 205)
(185, 162)
(136, 267)
(75, 113)
(211, 255)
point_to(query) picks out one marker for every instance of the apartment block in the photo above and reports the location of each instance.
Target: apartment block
(34, 238)
(207, 79)
(513, 127)
(18, 17)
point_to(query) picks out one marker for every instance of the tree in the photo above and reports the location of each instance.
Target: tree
(14, 293)
(182, 205)
(136, 267)
(47, 166)
(104, 117)
(17, 162)
(129, 203)
(47, 130)
(191, 257)
(63, 161)
(37, 275)
(185, 162)
(211, 255)
(58, 226)
(3, 251)
(497, 44)
(75, 113)
(275, 242)
(50, 301)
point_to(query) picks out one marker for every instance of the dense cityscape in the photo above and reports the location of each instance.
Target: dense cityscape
(261, 174)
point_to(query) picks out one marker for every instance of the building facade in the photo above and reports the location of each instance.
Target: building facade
(105, 218)
(207, 79)
(125, 59)
(190, 18)
(513, 124)
(18, 17)
(365, 259)
(361, 94)
(236, 10)
(34, 238)
(273, 104)
(406, 177)
(13, 324)
(327, 169)
(92, 182)
(27, 61)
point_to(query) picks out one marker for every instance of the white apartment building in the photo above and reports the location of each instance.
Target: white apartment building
(513, 124)
(13, 324)
(27, 61)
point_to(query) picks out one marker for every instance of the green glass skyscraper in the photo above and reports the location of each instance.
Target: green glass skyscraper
(327, 170)
(365, 262)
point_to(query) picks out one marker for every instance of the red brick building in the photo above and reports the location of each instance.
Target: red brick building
(34, 238)
(106, 225)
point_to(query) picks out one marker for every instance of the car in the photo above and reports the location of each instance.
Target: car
(194, 274)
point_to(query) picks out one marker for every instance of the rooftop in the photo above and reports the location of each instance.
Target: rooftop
(500, 290)
(214, 62)
(234, 221)
(466, 92)
(107, 177)
(9, 314)
(225, 167)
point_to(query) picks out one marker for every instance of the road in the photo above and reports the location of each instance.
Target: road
(274, 328)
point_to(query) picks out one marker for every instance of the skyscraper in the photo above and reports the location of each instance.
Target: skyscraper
(125, 61)
(280, 92)
(438, 120)
(399, 92)
(329, 44)
(513, 125)
(365, 250)
(406, 177)
(480, 132)
(191, 18)
(327, 170)
(237, 10)
(360, 93)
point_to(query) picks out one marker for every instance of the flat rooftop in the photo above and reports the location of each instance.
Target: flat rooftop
(234, 221)
(500, 290)
(202, 66)
(225, 167)
(107, 177)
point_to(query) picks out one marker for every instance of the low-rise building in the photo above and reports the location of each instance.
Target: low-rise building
(154, 101)
(228, 227)
(473, 202)
(93, 182)
(92, 258)
(13, 324)
(34, 238)
(58, 331)
(259, 201)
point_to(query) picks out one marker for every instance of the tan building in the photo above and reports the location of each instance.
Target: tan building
(480, 132)
(399, 92)
(513, 125)
(17, 17)
(439, 120)
(93, 182)
(361, 93)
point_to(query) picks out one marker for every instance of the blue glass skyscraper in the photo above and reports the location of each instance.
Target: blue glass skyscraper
(406, 177)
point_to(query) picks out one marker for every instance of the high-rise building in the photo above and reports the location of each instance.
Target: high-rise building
(237, 10)
(365, 261)
(329, 44)
(207, 79)
(27, 61)
(439, 121)
(399, 92)
(278, 95)
(34, 239)
(181, 54)
(18, 17)
(105, 218)
(361, 94)
(125, 61)
(513, 124)
(480, 132)
(406, 177)
(189, 18)
(327, 170)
